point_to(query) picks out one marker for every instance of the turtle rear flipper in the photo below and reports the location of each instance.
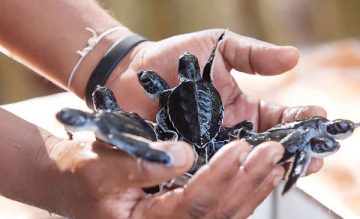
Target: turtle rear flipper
(299, 167)
(167, 135)
(296, 144)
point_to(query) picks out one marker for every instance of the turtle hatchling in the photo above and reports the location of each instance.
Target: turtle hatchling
(302, 140)
(193, 108)
(117, 127)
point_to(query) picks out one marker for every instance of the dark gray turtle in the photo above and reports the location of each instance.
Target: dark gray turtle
(193, 108)
(116, 127)
(302, 139)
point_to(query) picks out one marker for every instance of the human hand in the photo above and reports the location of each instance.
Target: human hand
(235, 52)
(105, 183)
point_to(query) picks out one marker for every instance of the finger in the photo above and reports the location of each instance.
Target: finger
(271, 114)
(202, 192)
(257, 168)
(302, 112)
(254, 56)
(262, 193)
(215, 177)
(112, 170)
(315, 165)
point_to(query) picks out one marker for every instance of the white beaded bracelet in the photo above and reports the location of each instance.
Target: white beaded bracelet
(92, 42)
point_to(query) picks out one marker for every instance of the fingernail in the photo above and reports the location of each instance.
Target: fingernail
(287, 54)
(276, 180)
(178, 154)
(277, 158)
(315, 166)
(243, 156)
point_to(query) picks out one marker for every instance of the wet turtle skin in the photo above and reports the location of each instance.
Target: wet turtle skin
(114, 126)
(193, 109)
(302, 140)
(193, 112)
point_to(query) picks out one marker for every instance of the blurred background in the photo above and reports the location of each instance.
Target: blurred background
(302, 23)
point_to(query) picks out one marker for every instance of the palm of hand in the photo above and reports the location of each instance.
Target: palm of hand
(163, 57)
(235, 52)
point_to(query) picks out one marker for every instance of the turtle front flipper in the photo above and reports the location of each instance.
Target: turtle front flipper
(299, 167)
(293, 143)
(152, 83)
(208, 66)
(136, 148)
(241, 130)
(120, 131)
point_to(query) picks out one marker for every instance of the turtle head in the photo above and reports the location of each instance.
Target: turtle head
(341, 128)
(76, 120)
(189, 67)
(322, 147)
(152, 83)
(104, 99)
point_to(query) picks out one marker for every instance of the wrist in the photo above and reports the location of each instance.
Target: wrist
(125, 85)
(125, 64)
(89, 63)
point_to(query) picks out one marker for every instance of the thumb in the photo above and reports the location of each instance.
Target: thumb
(150, 173)
(249, 55)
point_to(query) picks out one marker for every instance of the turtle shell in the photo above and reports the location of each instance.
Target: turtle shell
(196, 111)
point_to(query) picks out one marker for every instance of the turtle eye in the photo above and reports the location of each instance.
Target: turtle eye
(340, 128)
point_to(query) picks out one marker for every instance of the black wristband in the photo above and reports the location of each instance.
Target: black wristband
(108, 63)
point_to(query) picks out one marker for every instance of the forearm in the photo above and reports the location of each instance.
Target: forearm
(45, 35)
(30, 170)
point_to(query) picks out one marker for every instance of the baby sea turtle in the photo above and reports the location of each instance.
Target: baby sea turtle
(193, 108)
(117, 127)
(302, 139)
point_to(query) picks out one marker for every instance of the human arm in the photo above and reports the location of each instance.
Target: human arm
(45, 36)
